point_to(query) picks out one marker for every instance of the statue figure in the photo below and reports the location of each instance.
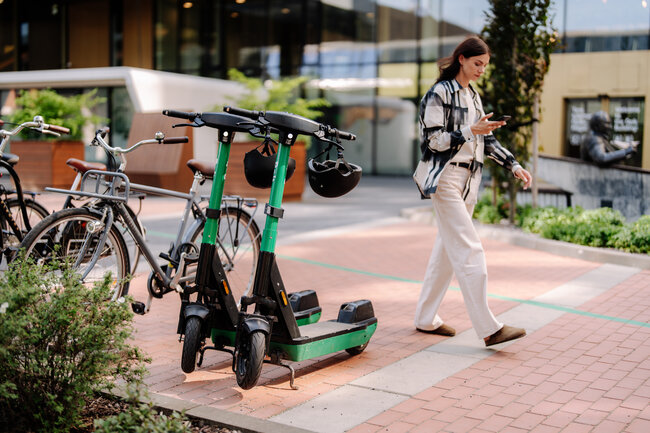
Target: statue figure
(597, 146)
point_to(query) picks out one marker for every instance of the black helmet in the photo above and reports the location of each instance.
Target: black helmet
(333, 178)
(259, 166)
(600, 123)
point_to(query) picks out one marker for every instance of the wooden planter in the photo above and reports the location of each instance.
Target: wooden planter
(237, 184)
(42, 163)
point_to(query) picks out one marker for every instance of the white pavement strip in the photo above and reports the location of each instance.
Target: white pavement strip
(366, 397)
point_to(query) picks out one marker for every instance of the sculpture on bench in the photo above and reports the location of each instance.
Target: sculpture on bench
(597, 147)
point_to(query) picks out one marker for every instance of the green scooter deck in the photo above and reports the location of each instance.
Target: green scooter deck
(323, 338)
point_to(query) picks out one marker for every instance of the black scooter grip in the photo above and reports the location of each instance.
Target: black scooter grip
(242, 112)
(347, 135)
(180, 114)
(174, 140)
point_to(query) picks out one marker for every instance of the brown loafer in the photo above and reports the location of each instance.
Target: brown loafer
(504, 334)
(443, 329)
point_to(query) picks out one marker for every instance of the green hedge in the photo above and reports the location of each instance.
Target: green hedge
(602, 227)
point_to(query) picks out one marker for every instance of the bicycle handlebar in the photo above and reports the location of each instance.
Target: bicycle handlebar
(37, 125)
(175, 140)
(56, 128)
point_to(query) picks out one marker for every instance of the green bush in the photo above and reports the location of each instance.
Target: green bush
(142, 418)
(635, 237)
(56, 109)
(602, 227)
(60, 342)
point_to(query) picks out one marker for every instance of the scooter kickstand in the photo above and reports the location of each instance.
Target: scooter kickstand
(291, 370)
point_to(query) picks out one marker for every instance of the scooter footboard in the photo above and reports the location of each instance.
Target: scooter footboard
(357, 311)
(305, 307)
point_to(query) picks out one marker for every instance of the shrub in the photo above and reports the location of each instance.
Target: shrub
(142, 418)
(57, 109)
(60, 342)
(635, 237)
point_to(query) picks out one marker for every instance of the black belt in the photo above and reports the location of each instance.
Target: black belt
(472, 166)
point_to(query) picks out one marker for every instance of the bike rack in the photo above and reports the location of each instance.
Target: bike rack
(118, 187)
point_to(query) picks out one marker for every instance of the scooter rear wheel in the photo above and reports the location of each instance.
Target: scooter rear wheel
(250, 356)
(356, 350)
(191, 344)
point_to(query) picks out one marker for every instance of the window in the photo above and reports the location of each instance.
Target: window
(627, 116)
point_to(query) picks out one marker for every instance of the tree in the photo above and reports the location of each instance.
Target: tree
(521, 38)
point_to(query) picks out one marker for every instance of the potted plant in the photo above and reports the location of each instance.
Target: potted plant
(42, 156)
(271, 95)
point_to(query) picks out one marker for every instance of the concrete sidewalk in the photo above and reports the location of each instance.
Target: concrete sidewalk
(584, 366)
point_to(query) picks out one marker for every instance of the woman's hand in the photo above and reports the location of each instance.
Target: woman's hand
(523, 174)
(485, 126)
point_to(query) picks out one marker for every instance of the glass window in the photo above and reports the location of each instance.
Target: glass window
(461, 18)
(9, 45)
(429, 15)
(627, 124)
(190, 49)
(397, 30)
(286, 36)
(348, 32)
(627, 116)
(578, 112)
(606, 25)
(166, 35)
(246, 33)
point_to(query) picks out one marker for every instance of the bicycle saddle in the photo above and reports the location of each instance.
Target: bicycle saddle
(84, 166)
(10, 158)
(205, 168)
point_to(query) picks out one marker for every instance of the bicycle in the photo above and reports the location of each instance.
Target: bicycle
(90, 236)
(17, 213)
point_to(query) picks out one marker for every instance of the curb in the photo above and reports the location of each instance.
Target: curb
(219, 417)
(514, 236)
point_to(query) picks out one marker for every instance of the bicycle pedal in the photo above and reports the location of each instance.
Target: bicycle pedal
(138, 307)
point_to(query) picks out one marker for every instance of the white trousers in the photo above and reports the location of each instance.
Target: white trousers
(457, 250)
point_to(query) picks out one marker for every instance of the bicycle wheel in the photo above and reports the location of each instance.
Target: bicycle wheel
(35, 213)
(191, 344)
(249, 359)
(73, 235)
(238, 245)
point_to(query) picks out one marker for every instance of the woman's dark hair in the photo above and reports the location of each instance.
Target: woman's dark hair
(470, 47)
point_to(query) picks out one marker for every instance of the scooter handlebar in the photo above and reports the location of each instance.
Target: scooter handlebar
(180, 114)
(251, 114)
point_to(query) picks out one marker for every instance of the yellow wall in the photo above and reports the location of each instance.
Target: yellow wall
(587, 75)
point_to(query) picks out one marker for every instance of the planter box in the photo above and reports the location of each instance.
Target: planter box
(42, 163)
(236, 182)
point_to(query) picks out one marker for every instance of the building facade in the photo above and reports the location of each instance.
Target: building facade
(373, 59)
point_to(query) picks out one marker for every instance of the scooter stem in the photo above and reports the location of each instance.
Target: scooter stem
(212, 224)
(270, 232)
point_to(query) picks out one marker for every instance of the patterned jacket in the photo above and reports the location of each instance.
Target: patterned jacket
(444, 129)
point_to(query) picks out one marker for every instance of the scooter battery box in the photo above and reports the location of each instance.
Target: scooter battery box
(357, 311)
(303, 300)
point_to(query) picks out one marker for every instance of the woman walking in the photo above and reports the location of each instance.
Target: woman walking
(457, 134)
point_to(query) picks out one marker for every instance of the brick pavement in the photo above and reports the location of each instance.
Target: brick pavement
(585, 370)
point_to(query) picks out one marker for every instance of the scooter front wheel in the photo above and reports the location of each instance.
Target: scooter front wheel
(249, 359)
(191, 344)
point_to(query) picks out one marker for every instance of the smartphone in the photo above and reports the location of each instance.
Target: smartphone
(503, 118)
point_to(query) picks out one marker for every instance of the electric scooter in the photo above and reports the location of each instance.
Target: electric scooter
(209, 305)
(271, 329)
